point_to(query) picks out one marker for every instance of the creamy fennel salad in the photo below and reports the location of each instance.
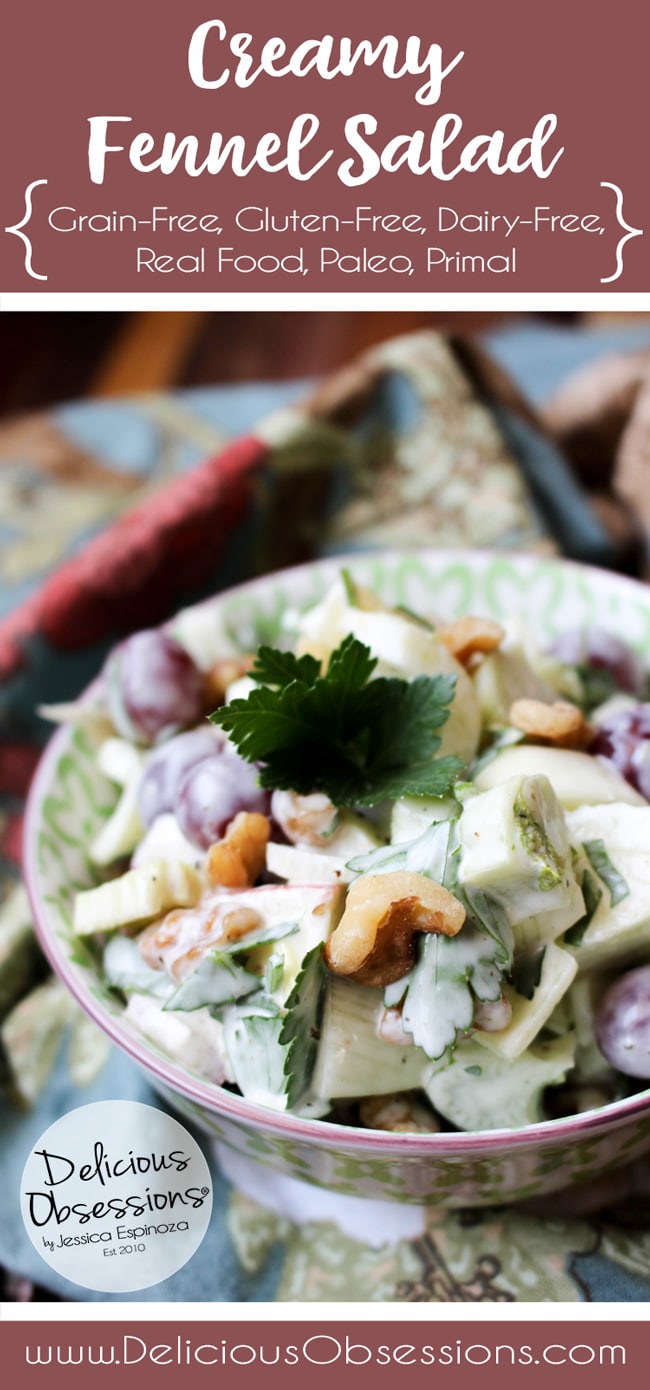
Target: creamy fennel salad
(396, 875)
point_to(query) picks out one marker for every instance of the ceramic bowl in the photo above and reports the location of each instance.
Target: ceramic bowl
(69, 801)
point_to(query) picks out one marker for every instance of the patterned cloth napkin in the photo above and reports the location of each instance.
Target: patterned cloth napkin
(109, 519)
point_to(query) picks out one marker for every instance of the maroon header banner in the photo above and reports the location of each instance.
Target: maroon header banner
(246, 148)
(359, 1355)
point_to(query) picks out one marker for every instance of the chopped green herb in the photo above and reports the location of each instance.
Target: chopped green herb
(474, 1071)
(427, 854)
(299, 1034)
(451, 970)
(222, 977)
(601, 862)
(252, 1035)
(272, 1051)
(218, 980)
(527, 973)
(356, 739)
(415, 617)
(274, 972)
(258, 936)
(597, 685)
(350, 588)
(592, 895)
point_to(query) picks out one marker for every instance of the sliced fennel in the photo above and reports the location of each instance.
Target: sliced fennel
(515, 846)
(615, 841)
(578, 779)
(353, 1060)
(530, 1015)
(480, 1091)
(195, 1040)
(412, 815)
(122, 764)
(136, 898)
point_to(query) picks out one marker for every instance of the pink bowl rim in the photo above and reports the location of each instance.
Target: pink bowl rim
(246, 1114)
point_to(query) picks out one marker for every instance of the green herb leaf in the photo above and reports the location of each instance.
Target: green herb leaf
(356, 739)
(222, 977)
(600, 861)
(274, 973)
(439, 1002)
(299, 1033)
(252, 1036)
(415, 617)
(350, 587)
(598, 685)
(218, 980)
(592, 895)
(426, 854)
(258, 936)
(274, 667)
(527, 972)
(272, 1051)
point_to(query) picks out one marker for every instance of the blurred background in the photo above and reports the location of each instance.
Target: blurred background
(50, 357)
(99, 411)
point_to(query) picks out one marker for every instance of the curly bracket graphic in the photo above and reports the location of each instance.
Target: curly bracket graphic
(16, 230)
(631, 232)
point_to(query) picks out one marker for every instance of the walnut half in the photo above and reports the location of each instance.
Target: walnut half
(237, 860)
(562, 724)
(374, 941)
(470, 637)
(399, 1113)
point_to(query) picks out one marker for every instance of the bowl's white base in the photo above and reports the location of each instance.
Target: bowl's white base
(375, 1222)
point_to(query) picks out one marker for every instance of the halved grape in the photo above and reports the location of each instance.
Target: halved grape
(624, 738)
(622, 1025)
(152, 686)
(212, 792)
(167, 765)
(600, 650)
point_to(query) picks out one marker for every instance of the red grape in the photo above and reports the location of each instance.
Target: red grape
(166, 767)
(622, 1025)
(212, 792)
(624, 738)
(152, 687)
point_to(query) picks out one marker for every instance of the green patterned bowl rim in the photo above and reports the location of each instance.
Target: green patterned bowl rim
(593, 586)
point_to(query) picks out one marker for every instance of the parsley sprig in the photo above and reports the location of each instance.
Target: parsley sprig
(356, 739)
